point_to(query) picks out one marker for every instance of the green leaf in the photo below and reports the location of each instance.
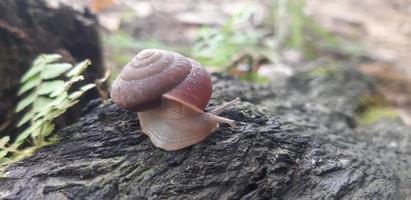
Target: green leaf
(47, 129)
(42, 113)
(50, 87)
(55, 70)
(67, 103)
(62, 108)
(32, 72)
(36, 132)
(3, 153)
(42, 103)
(58, 92)
(77, 94)
(87, 87)
(54, 105)
(67, 86)
(4, 140)
(61, 90)
(72, 81)
(38, 64)
(31, 83)
(26, 133)
(25, 102)
(79, 68)
(38, 61)
(60, 99)
(27, 117)
(15, 146)
(46, 58)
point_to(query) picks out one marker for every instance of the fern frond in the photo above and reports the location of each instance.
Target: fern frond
(44, 98)
(55, 70)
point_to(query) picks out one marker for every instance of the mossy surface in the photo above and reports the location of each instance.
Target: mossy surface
(373, 108)
(323, 72)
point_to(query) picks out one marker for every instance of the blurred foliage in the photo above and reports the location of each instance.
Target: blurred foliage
(286, 26)
(216, 46)
(373, 108)
(263, 35)
(123, 40)
(253, 76)
(375, 113)
(44, 97)
(323, 72)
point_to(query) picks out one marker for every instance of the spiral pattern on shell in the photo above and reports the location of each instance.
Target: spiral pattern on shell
(156, 74)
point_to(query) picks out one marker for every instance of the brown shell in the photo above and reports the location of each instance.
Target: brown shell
(153, 73)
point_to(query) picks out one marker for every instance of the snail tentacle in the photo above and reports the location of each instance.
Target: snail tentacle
(223, 107)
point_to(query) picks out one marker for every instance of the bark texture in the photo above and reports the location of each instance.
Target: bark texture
(297, 141)
(28, 28)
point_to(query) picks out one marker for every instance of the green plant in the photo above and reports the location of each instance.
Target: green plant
(375, 113)
(372, 108)
(285, 26)
(323, 72)
(216, 46)
(44, 97)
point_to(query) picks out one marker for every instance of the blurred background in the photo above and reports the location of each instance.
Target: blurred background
(265, 40)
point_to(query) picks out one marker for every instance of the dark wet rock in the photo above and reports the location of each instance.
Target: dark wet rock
(301, 142)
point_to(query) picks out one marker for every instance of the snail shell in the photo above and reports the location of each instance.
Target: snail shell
(169, 91)
(152, 73)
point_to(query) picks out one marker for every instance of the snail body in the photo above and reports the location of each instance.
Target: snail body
(169, 91)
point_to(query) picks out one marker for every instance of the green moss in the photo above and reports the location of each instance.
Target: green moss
(119, 41)
(254, 77)
(322, 72)
(376, 113)
(121, 59)
(373, 108)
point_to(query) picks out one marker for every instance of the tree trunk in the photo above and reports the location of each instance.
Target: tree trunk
(299, 141)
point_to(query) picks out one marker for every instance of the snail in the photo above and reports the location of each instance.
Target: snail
(169, 92)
